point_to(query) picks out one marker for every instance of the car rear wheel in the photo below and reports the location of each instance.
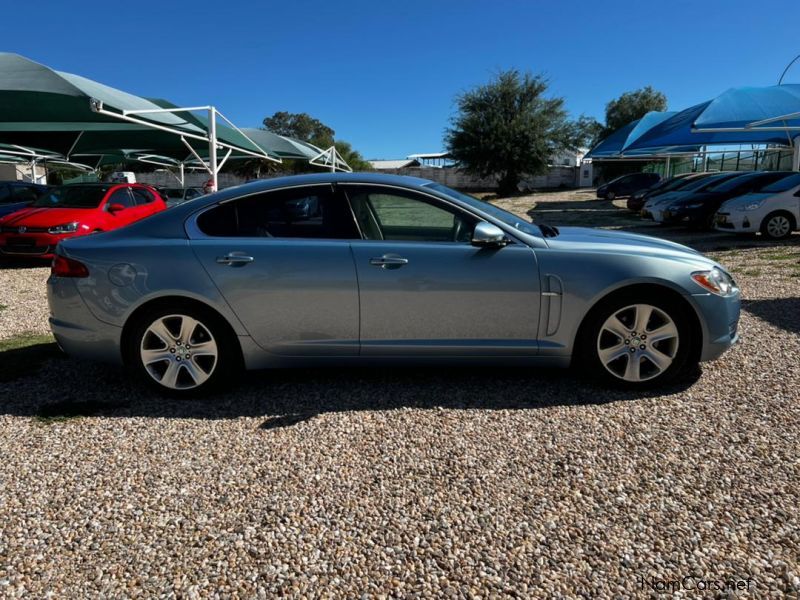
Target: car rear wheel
(637, 340)
(777, 225)
(183, 350)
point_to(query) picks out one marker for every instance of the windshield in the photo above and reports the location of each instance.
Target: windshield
(784, 185)
(498, 213)
(730, 184)
(709, 182)
(73, 197)
(173, 192)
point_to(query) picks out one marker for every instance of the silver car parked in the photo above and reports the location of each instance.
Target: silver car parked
(352, 269)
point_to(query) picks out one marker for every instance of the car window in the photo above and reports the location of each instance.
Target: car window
(142, 196)
(306, 212)
(121, 196)
(387, 214)
(192, 193)
(5, 195)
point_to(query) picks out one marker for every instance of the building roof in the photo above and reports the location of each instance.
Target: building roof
(400, 163)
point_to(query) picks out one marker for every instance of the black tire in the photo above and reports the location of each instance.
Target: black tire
(769, 225)
(228, 361)
(686, 350)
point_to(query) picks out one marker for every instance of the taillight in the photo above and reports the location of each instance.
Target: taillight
(68, 267)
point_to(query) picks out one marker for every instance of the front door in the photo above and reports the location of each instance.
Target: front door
(282, 261)
(425, 290)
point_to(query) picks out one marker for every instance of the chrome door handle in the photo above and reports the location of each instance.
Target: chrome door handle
(234, 259)
(388, 261)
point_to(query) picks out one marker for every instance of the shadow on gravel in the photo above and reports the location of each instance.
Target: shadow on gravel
(10, 263)
(780, 312)
(65, 389)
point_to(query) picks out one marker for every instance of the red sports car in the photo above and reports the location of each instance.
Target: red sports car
(72, 210)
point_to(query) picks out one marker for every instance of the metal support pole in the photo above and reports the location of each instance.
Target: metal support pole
(183, 180)
(666, 168)
(212, 146)
(796, 154)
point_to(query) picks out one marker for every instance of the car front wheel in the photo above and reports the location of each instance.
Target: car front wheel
(777, 225)
(182, 350)
(610, 195)
(637, 341)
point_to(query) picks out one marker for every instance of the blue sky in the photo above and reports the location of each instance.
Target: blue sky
(384, 74)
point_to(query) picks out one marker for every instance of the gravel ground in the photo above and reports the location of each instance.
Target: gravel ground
(487, 482)
(23, 302)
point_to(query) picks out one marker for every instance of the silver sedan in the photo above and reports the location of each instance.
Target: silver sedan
(354, 269)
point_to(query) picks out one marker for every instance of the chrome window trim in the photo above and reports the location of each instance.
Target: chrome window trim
(193, 232)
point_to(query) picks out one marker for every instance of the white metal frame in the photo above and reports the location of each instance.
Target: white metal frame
(332, 159)
(212, 166)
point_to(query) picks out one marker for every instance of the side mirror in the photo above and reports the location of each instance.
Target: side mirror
(488, 235)
(115, 208)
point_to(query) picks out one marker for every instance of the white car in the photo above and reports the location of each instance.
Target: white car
(774, 211)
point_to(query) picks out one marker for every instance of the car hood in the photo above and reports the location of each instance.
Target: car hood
(664, 198)
(744, 200)
(585, 239)
(45, 217)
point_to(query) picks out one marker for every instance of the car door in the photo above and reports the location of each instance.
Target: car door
(282, 261)
(424, 289)
(120, 197)
(146, 203)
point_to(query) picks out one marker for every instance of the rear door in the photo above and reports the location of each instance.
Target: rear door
(425, 290)
(282, 261)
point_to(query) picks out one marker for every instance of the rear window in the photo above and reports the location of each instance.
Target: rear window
(73, 197)
(784, 185)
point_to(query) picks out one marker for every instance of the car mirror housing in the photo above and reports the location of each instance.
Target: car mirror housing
(113, 208)
(488, 235)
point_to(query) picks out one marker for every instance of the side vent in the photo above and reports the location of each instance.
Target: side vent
(552, 299)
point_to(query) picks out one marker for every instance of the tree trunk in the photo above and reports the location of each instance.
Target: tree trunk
(507, 186)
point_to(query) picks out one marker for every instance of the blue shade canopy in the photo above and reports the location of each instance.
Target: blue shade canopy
(740, 107)
(679, 131)
(619, 141)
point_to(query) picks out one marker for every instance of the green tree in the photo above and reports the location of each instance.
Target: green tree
(301, 126)
(508, 128)
(588, 131)
(352, 157)
(631, 106)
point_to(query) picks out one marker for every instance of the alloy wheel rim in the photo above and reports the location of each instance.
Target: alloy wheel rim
(778, 226)
(638, 342)
(179, 352)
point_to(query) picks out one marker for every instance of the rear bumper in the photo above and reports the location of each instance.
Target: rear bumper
(77, 331)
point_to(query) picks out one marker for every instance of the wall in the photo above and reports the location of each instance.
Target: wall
(455, 178)
(161, 178)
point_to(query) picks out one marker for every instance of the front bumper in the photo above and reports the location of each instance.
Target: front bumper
(684, 215)
(78, 332)
(720, 323)
(738, 222)
(30, 244)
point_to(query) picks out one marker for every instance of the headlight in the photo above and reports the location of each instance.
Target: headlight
(65, 228)
(715, 281)
(751, 206)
